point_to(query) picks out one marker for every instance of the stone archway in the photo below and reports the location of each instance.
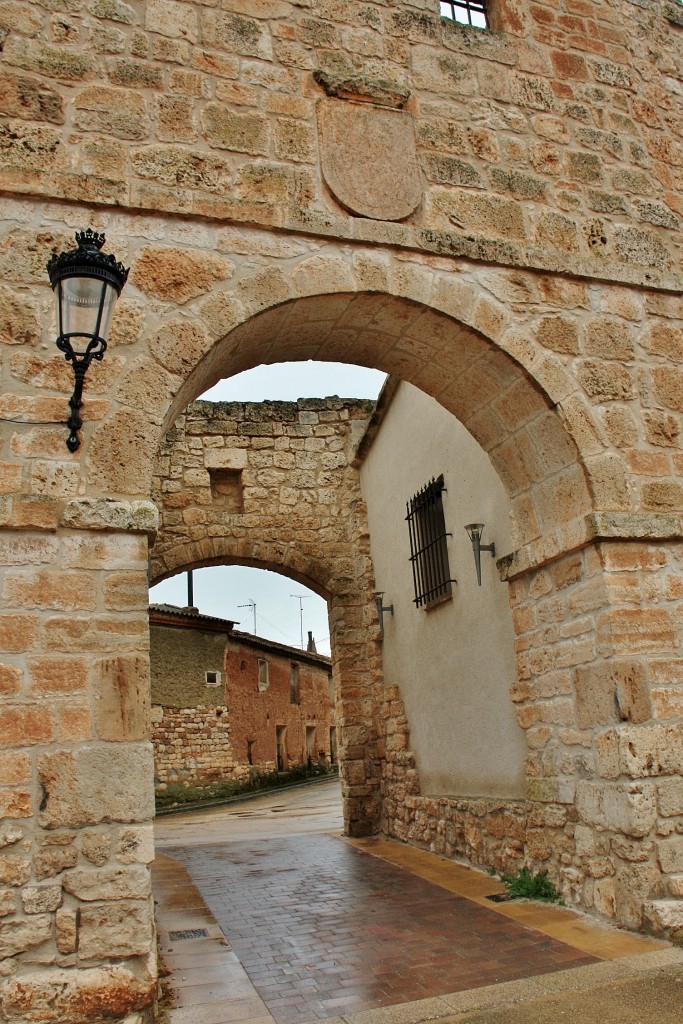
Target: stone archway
(276, 487)
(77, 578)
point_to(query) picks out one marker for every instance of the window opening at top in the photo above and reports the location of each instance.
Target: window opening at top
(467, 12)
(428, 545)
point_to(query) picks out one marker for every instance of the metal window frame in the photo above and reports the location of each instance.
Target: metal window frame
(466, 7)
(428, 547)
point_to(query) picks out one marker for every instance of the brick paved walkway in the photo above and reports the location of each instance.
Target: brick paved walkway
(323, 929)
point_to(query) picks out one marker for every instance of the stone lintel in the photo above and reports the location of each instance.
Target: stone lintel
(453, 244)
(589, 529)
(110, 514)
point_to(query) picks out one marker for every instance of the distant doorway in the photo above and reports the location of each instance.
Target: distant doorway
(280, 747)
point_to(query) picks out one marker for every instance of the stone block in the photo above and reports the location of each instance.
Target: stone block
(225, 458)
(611, 691)
(176, 20)
(559, 333)
(75, 996)
(108, 883)
(8, 903)
(630, 808)
(664, 914)
(19, 321)
(177, 274)
(48, 588)
(604, 899)
(670, 797)
(606, 381)
(649, 750)
(96, 847)
(135, 845)
(19, 936)
(10, 834)
(121, 113)
(107, 514)
(94, 784)
(136, 74)
(50, 861)
(670, 854)
(661, 428)
(124, 929)
(51, 61)
(551, 790)
(11, 678)
(676, 886)
(15, 803)
(41, 899)
(635, 631)
(240, 133)
(66, 930)
(122, 697)
(25, 724)
(15, 870)
(126, 591)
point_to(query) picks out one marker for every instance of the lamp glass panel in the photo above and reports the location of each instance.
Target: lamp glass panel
(80, 301)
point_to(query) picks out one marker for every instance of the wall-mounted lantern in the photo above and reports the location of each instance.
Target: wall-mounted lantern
(86, 283)
(475, 531)
(382, 608)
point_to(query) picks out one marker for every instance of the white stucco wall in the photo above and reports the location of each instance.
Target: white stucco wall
(454, 663)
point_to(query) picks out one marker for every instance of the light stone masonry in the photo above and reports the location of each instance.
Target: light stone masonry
(533, 290)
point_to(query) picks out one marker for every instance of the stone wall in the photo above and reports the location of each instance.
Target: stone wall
(272, 484)
(534, 290)
(551, 143)
(193, 746)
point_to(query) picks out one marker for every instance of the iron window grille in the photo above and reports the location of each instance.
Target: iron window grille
(467, 12)
(428, 548)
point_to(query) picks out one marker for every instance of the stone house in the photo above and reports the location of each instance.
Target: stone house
(225, 703)
(490, 215)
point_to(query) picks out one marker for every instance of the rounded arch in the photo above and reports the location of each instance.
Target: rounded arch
(275, 557)
(432, 329)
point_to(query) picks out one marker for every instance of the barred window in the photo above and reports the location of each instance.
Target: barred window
(428, 547)
(467, 12)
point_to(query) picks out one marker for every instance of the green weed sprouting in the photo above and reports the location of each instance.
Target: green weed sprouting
(526, 886)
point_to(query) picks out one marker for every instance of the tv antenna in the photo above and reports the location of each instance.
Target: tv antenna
(250, 604)
(300, 598)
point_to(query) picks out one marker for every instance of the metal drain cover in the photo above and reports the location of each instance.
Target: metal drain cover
(189, 933)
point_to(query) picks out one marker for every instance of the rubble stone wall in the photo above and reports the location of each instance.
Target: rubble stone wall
(193, 745)
(534, 290)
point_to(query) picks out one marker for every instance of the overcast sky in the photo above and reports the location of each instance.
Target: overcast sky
(220, 590)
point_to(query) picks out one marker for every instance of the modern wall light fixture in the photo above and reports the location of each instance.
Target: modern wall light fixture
(381, 608)
(475, 531)
(86, 283)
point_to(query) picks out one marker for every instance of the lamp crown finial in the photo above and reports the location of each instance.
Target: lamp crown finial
(90, 238)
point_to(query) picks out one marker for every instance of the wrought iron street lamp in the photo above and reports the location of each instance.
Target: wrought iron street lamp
(86, 283)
